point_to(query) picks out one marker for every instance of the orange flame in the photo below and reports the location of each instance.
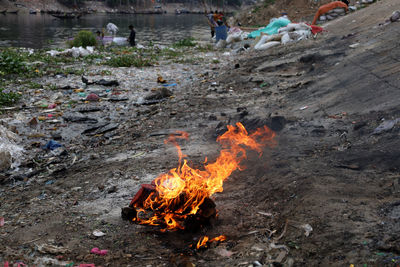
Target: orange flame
(180, 192)
(204, 241)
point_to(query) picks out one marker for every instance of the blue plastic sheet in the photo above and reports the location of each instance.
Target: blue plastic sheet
(51, 145)
(271, 28)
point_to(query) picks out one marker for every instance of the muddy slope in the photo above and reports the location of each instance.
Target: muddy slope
(330, 170)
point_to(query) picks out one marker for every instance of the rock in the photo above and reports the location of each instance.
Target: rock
(51, 249)
(329, 17)
(339, 11)
(100, 129)
(395, 16)
(88, 109)
(88, 257)
(386, 126)
(118, 98)
(359, 125)
(112, 189)
(107, 83)
(92, 97)
(79, 119)
(5, 160)
(159, 94)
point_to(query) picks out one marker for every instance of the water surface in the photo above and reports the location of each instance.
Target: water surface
(44, 31)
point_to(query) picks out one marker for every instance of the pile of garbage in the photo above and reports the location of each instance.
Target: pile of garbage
(74, 52)
(331, 15)
(278, 31)
(293, 32)
(10, 153)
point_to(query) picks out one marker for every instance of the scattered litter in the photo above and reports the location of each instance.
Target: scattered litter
(98, 233)
(74, 52)
(97, 251)
(354, 45)
(303, 108)
(281, 256)
(223, 252)
(112, 28)
(385, 126)
(307, 228)
(51, 249)
(272, 28)
(46, 261)
(395, 16)
(268, 214)
(161, 80)
(10, 153)
(274, 246)
(171, 84)
(257, 263)
(1, 221)
(51, 145)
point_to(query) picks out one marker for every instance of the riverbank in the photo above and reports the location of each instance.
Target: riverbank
(326, 194)
(89, 7)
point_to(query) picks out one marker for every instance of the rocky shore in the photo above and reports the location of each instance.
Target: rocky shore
(89, 7)
(326, 194)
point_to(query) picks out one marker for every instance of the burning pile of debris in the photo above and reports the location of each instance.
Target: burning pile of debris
(181, 198)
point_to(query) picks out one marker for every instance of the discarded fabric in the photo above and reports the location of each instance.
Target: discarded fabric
(97, 251)
(271, 28)
(51, 145)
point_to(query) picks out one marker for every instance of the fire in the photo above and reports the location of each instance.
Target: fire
(204, 241)
(180, 193)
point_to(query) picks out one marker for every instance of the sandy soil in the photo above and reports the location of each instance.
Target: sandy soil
(322, 97)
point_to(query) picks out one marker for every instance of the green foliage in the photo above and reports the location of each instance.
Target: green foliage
(12, 62)
(33, 85)
(168, 53)
(268, 2)
(129, 61)
(205, 48)
(84, 39)
(8, 99)
(185, 42)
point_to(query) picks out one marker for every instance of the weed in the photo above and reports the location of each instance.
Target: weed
(129, 61)
(185, 42)
(51, 86)
(268, 2)
(205, 48)
(12, 62)
(8, 98)
(84, 39)
(33, 85)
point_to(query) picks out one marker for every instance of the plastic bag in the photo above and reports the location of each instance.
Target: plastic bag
(112, 28)
(10, 153)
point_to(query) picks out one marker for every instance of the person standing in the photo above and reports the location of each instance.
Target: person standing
(132, 36)
(211, 22)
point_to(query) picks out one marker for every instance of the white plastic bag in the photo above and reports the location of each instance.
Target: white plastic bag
(120, 41)
(265, 46)
(112, 28)
(10, 153)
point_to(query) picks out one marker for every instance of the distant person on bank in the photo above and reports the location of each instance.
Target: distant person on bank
(132, 36)
(211, 22)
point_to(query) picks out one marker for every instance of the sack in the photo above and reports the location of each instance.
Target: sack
(265, 46)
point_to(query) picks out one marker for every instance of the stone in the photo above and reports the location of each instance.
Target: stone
(5, 160)
(92, 97)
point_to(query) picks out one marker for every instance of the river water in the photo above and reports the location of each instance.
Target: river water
(46, 31)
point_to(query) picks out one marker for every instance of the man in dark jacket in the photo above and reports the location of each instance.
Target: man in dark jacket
(132, 36)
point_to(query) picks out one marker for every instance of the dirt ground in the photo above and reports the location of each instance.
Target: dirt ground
(329, 171)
